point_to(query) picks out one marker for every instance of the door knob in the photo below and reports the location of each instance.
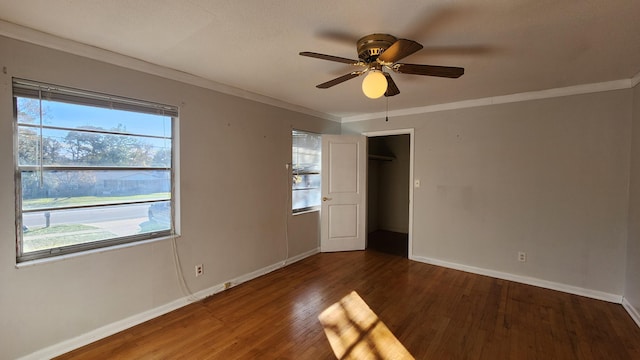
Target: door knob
(324, 198)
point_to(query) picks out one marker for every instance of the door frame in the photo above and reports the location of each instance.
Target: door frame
(410, 132)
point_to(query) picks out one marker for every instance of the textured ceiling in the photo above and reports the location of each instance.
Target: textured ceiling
(505, 46)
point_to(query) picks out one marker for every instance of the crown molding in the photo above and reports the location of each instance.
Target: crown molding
(504, 99)
(36, 37)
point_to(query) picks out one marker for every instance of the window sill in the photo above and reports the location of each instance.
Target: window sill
(65, 257)
(306, 211)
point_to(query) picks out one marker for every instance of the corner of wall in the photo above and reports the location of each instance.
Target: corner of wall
(631, 301)
(633, 312)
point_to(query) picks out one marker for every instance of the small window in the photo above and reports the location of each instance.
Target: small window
(306, 159)
(92, 170)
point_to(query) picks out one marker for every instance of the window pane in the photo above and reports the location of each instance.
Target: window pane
(84, 148)
(57, 228)
(306, 181)
(74, 116)
(303, 199)
(92, 187)
(306, 161)
(306, 152)
(160, 216)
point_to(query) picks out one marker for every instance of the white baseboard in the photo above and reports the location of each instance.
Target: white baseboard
(265, 270)
(115, 327)
(633, 312)
(594, 294)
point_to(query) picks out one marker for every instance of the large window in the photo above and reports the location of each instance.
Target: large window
(92, 170)
(306, 171)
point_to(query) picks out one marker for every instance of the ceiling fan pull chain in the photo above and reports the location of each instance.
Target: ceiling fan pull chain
(386, 118)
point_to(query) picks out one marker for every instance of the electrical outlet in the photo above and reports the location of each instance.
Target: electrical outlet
(522, 256)
(199, 270)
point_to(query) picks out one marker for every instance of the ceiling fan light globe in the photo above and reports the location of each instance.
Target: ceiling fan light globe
(374, 84)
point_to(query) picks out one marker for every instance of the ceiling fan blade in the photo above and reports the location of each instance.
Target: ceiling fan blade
(339, 80)
(329, 57)
(392, 88)
(430, 70)
(399, 50)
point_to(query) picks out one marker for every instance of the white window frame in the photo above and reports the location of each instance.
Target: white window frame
(37, 90)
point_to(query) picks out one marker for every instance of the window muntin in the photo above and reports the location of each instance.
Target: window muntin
(306, 161)
(92, 170)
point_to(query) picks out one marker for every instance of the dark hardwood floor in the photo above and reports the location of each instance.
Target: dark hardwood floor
(437, 313)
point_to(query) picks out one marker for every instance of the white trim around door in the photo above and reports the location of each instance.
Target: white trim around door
(411, 180)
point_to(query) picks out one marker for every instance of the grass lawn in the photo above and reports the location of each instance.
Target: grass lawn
(62, 235)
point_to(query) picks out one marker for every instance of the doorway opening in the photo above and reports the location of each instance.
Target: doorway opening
(389, 192)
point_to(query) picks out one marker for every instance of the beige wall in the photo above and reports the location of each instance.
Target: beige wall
(548, 177)
(234, 205)
(632, 285)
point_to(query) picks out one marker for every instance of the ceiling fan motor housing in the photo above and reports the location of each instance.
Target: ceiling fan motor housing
(371, 46)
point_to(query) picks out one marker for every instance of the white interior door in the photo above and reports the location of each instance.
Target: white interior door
(344, 193)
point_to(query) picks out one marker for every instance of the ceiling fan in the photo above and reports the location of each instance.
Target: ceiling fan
(378, 54)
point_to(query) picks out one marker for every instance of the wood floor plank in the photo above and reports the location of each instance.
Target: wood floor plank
(436, 313)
